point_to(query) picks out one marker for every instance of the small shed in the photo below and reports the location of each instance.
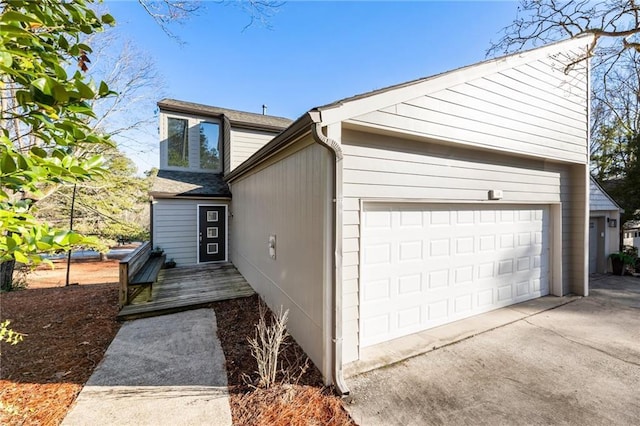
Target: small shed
(604, 228)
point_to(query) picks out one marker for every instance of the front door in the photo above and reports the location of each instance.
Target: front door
(212, 233)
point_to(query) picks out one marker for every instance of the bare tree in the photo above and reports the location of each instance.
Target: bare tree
(615, 25)
(615, 108)
(128, 115)
(260, 11)
(615, 135)
(169, 12)
(615, 81)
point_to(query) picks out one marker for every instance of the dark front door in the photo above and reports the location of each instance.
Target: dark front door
(212, 233)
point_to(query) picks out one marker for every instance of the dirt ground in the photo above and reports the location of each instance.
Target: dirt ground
(68, 329)
(92, 271)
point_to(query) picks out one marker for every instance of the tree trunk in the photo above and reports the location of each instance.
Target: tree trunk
(6, 275)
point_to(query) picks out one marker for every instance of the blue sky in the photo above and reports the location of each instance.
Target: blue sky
(314, 52)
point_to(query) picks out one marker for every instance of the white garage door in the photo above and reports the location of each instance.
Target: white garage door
(427, 265)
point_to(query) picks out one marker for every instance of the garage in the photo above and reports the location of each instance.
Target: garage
(424, 265)
(420, 204)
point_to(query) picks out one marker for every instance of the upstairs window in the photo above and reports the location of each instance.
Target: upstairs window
(178, 142)
(210, 158)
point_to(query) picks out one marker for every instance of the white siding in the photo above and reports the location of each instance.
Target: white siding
(383, 167)
(598, 199)
(244, 143)
(602, 209)
(175, 228)
(534, 109)
(350, 275)
(612, 236)
(632, 238)
(287, 199)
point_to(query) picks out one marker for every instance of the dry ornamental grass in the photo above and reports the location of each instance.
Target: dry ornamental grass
(299, 398)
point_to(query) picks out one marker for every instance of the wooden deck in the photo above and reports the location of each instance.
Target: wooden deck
(188, 287)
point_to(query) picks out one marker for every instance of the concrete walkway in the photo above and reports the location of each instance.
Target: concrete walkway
(576, 364)
(166, 370)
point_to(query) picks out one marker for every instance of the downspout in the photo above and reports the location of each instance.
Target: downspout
(587, 186)
(151, 202)
(336, 151)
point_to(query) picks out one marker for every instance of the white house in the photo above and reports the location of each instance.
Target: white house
(391, 212)
(604, 228)
(198, 145)
(632, 237)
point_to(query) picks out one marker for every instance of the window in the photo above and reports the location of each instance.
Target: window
(183, 151)
(210, 146)
(178, 142)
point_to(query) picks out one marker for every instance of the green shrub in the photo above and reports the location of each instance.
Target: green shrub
(626, 258)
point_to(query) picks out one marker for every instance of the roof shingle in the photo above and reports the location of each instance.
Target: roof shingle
(235, 117)
(182, 183)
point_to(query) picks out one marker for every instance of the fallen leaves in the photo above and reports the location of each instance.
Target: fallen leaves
(290, 405)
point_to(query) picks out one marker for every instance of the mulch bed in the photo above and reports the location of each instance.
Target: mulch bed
(300, 397)
(69, 329)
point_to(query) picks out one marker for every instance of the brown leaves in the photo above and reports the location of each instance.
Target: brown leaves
(83, 60)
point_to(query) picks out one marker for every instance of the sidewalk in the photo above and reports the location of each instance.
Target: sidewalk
(166, 370)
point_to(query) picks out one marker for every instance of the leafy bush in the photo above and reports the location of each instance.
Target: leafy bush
(631, 251)
(625, 258)
(8, 335)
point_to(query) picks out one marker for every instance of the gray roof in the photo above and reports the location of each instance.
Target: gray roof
(268, 122)
(597, 193)
(186, 184)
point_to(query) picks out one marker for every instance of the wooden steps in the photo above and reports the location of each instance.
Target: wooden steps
(189, 287)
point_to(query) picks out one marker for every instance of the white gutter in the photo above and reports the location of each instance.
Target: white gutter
(336, 151)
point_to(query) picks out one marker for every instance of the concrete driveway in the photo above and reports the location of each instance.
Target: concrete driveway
(576, 364)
